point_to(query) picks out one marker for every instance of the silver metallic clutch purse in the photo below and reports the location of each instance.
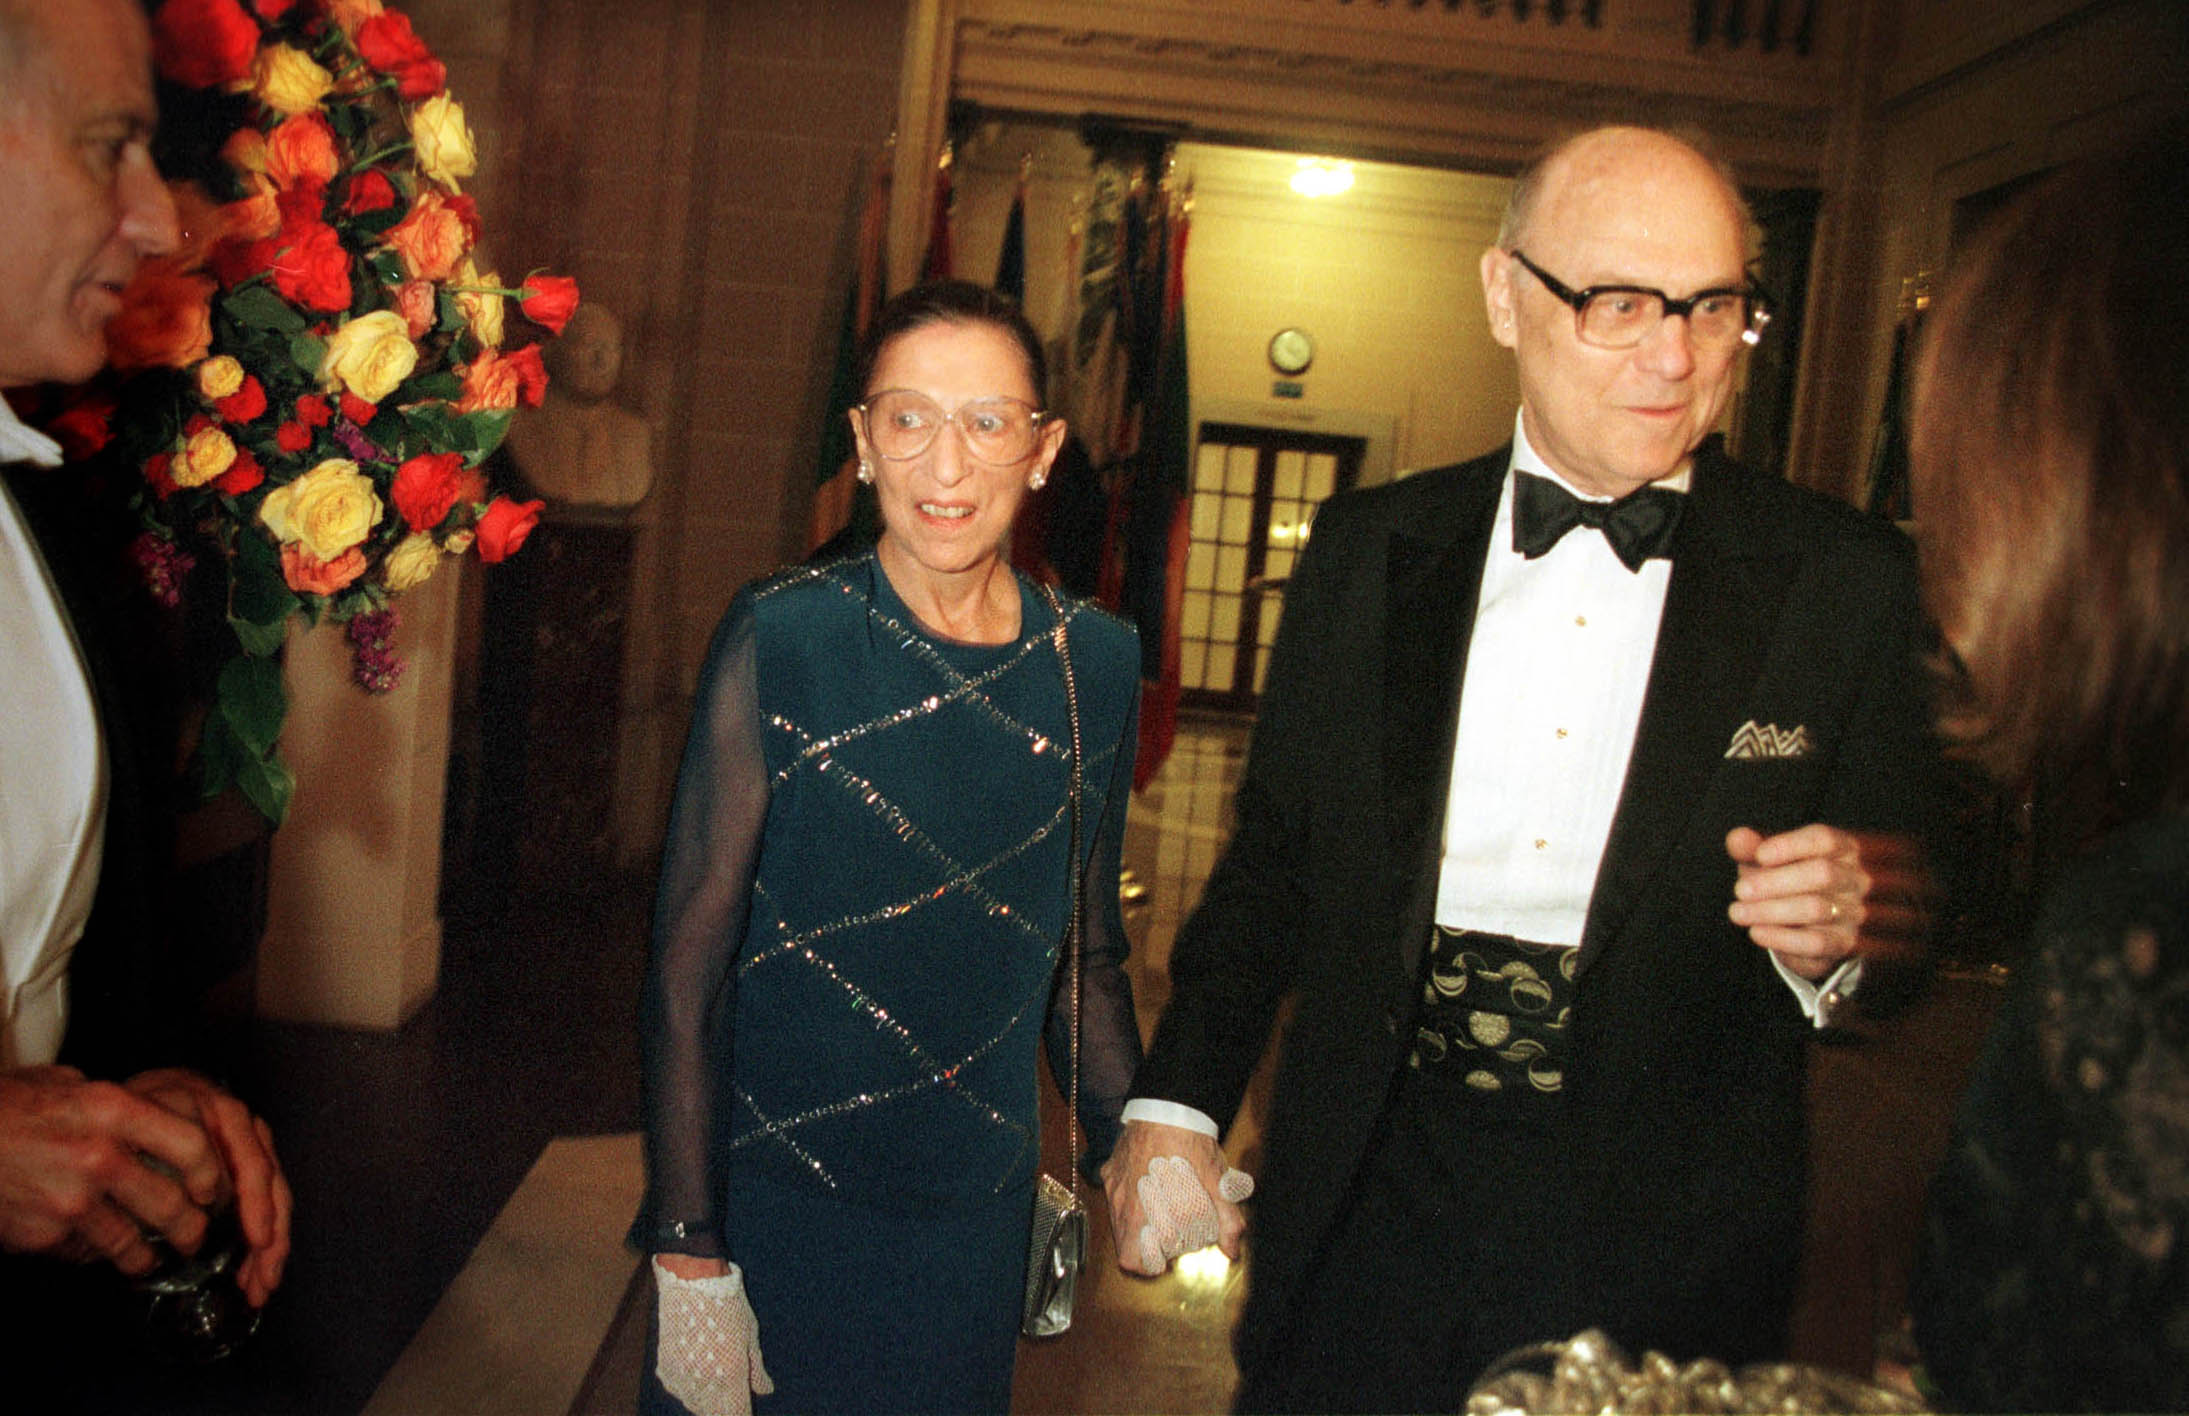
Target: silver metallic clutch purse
(1054, 1252)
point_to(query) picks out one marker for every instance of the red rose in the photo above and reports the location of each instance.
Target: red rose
(314, 270)
(242, 475)
(245, 403)
(300, 206)
(531, 374)
(204, 43)
(312, 411)
(549, 300)
(503, 527)
(370, 190)
(292, 437)
(390, 46)
(356, 409)
(426, 488)
(86, 424)
(271, 10)
(155, 472)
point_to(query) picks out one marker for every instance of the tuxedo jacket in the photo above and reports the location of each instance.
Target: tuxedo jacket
(126, 983)
(1683, 1098)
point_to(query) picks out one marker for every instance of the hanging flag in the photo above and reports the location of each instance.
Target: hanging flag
(838, 509)
(1159, 531)
(1011, 265)
(938, 265)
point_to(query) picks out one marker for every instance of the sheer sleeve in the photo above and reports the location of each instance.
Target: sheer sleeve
(700, 909)
(1109, 1031)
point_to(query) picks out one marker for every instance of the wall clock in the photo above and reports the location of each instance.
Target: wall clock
(1291, 350)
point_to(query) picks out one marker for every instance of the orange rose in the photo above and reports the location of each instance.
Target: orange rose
(490, 384)
(301, 152)
(255, 217)
(415, 303)
(431, 239)
(307, 574)
(166, 319)
(245, 151)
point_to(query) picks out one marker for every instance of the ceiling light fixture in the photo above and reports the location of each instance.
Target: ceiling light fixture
(1322, 176)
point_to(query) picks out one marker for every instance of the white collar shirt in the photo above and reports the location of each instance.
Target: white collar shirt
(1556, 669)
(52, 781)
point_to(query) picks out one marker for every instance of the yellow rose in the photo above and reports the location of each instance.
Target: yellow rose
(206, 454)
(442, 141)
(219, 377)
(458, 543)
(327, 510)
(482, 308)
(370, 355)
(287, 80)
(413, 559)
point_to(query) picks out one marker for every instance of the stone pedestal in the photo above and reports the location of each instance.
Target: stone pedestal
(353, 934)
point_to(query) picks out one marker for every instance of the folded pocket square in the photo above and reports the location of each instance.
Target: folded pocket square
(1769, 740)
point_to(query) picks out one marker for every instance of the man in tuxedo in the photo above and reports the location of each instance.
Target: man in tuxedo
(1585, 776)
(88, 1168)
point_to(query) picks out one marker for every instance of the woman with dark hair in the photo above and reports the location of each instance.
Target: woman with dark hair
(858, 932)
(2050, 464)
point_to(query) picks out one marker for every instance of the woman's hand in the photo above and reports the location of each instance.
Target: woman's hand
(708, 1352)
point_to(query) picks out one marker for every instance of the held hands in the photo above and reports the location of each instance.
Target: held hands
(708, 1354)
(1170, 1192)
(87, 1167)
(1817, 896)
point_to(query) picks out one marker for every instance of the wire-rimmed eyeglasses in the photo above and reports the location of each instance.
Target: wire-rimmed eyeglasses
(902, 423)
(1622, 316)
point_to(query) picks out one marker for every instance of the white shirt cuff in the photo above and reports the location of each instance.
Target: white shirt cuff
(1821, 999)
(1170, 1113)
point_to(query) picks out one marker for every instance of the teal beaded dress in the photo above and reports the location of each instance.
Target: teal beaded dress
(856, 948)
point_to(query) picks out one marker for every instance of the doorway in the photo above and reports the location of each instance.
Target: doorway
(1255, 491)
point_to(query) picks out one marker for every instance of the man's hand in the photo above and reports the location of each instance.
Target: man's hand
(1816, 896)
(246, 1148)
(73, 1169)
(1143, 1142)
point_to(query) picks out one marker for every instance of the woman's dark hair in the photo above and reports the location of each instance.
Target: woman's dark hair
(952, 302)
(2050, 472)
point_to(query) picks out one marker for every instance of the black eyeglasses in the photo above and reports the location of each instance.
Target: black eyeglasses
(1622, 316)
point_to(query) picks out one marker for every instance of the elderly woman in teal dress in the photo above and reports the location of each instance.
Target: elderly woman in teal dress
(858, 935)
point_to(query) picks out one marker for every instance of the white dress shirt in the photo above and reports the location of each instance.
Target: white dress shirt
(1557, 666)
(52, 781)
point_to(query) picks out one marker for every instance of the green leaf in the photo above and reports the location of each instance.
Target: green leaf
(250, 697)
(441, 385)
(267, 785)
(260, 640)
(309, 351)
(219, 756)
(388, 266)
(260, 307)
(486, 432)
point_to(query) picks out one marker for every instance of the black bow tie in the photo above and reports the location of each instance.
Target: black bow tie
(1638, 525)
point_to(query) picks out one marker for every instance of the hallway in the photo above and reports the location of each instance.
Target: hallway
(404, 1149)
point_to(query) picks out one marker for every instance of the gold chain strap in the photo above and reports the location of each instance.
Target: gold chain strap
(1077, 872)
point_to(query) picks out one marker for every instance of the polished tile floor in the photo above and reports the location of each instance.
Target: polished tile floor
(405, 1148)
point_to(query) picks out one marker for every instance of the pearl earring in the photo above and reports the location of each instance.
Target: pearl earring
(866, 472)
(1037, 481)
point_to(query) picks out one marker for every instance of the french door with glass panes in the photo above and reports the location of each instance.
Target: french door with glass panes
(1255, 491)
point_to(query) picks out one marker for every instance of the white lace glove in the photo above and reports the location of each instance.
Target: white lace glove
(1180, 1215)
(709, 1351)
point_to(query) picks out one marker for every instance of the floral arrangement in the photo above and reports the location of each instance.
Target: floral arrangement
(304, 392)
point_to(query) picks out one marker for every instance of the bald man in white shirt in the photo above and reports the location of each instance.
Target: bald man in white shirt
(88, 1169)
(1586, 775)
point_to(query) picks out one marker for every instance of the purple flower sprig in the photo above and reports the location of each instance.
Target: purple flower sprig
(372, 640)
(164, 566)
